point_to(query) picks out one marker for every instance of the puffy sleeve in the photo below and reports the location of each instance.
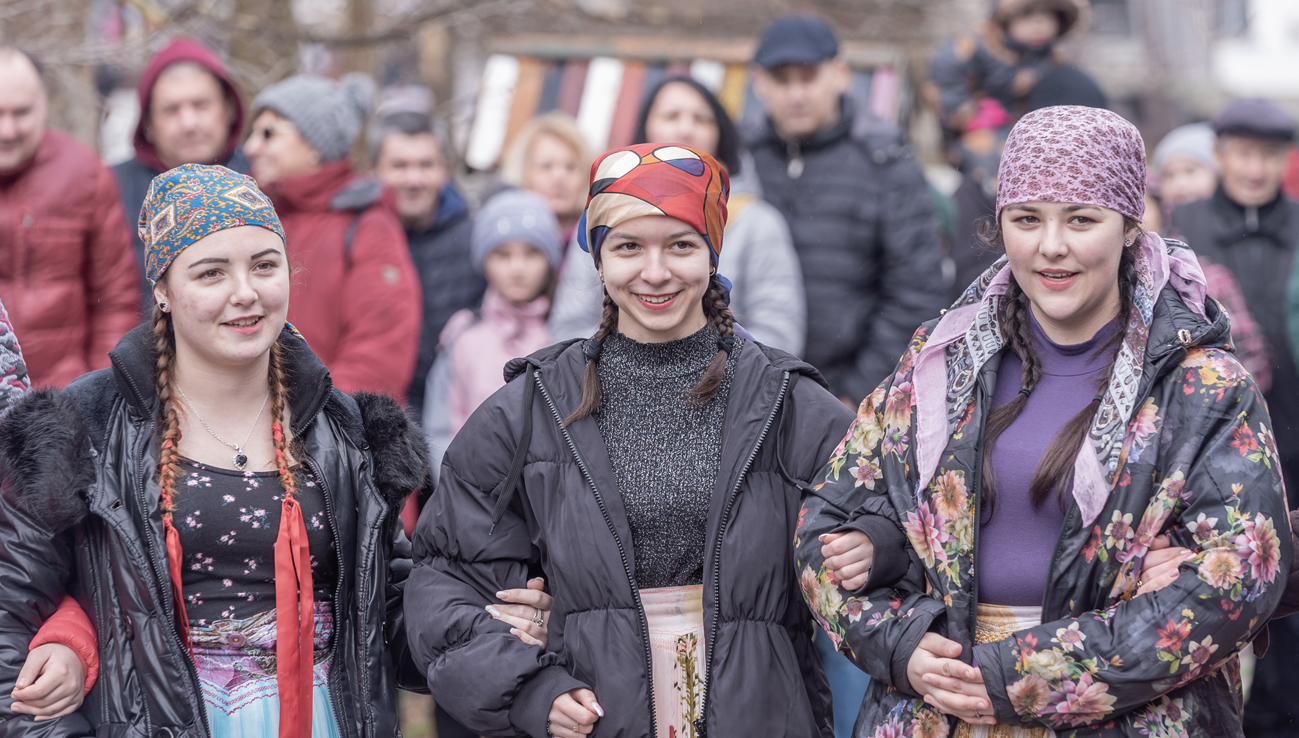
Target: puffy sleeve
(1219, 493)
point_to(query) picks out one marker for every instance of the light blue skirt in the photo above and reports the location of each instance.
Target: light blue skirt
(236, 672)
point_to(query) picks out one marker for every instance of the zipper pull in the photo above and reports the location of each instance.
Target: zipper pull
(795, 166)
(701, 727)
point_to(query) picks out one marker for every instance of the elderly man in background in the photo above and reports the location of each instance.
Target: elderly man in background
(190, 113)
(411, 154)
(67, 272)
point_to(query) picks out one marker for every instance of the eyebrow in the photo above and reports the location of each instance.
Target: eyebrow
(219, 260)
(260, 254)
(1067, 209)
(631, 237)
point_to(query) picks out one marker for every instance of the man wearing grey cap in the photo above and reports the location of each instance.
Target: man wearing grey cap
(857, 205)
(1251, 228)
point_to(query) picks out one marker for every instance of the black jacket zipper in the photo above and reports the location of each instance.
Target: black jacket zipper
(701, 723)
(622, 552)
(335, 675)
(168, 607)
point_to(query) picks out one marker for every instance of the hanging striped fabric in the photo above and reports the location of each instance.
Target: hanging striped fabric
(626, 114)
(599, 100)
(492, 114)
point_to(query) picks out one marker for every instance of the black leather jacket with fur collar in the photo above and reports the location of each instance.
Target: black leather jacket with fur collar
(79, 514)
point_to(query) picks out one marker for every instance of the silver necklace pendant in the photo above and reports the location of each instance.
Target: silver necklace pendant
(240, 461)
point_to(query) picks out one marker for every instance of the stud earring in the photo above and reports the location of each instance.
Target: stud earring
(1127, 243)
(163, 307)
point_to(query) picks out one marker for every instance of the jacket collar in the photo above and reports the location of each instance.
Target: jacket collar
(311, 192)
(133, 370)
(842, 129)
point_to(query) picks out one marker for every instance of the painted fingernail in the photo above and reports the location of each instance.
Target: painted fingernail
(514, 631)
(491, 610)
(502, 595)
(598, 710)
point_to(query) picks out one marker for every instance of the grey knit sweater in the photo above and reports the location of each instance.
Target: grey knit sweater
(665, 453)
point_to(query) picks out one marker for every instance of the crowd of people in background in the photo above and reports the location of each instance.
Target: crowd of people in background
(406, 284)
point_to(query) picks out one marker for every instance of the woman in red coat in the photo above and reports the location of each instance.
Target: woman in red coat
(356, 293)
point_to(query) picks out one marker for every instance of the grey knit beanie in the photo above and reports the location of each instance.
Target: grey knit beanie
(328, 114)
(515, 215)
(1193, 141)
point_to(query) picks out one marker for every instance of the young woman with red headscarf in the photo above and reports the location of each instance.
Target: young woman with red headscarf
(653, 475)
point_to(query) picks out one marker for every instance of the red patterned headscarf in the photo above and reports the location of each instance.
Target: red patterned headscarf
(656, 179)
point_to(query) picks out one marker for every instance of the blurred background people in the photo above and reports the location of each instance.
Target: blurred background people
(411, 154)
(67, 273)
(1184, 165)
(516, 247)
(975, 200)
(357, 293)
(857, 205)
(1005, 60)
(190, 113)
(550, 157)
(1249, 227)
(760, 261)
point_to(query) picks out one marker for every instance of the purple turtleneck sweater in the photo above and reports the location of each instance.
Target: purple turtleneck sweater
(1016, 545)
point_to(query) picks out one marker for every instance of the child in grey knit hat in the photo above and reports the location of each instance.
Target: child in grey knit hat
(327, 114)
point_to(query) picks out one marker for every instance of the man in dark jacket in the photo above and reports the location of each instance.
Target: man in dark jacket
(1251, 228)
(190, 113)
(857, 204)
(410, 153)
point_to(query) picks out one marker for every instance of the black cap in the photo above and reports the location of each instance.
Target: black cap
(1255, 119)
(1066, 85)
(796, 39)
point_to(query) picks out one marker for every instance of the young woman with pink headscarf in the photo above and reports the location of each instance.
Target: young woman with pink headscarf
(1077, 410)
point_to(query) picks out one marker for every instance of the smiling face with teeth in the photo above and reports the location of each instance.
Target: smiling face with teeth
(1065, 257)
(228, 294)
(656, 269)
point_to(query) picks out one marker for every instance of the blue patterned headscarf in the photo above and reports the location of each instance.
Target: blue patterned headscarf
(197, 200)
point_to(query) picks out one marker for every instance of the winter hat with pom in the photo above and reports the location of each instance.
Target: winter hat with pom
(515, 215)
(328, 114)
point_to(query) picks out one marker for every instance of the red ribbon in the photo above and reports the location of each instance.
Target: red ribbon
(294, 622)
(172, 538)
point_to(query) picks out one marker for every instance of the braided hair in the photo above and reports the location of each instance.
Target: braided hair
(164, 350)
(719, 316)
(1054, 472)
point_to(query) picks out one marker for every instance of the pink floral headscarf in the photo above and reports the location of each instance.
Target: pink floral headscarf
(1074, 154)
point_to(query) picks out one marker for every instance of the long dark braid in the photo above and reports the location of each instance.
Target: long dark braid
(164, 351)
(1054, 471)
(717, 310)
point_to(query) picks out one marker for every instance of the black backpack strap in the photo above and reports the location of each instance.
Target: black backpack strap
(505, 491)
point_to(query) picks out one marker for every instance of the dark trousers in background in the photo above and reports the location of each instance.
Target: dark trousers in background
(447, 726)
(1273, 707)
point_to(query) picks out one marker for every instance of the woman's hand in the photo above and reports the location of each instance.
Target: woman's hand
(1162, 565)
(573, 714)
(531, 605)
(952, 686)
(51, 683)
(848, 556)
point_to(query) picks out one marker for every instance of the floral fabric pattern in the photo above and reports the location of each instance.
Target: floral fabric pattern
(1197, 462)
(13, 370)
(228, 521)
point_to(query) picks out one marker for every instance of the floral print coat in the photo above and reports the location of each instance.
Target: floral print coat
(1198, 463)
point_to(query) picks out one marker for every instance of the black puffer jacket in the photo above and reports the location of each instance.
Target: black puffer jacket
(567, 523)
(79, 514)
(867, 238)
